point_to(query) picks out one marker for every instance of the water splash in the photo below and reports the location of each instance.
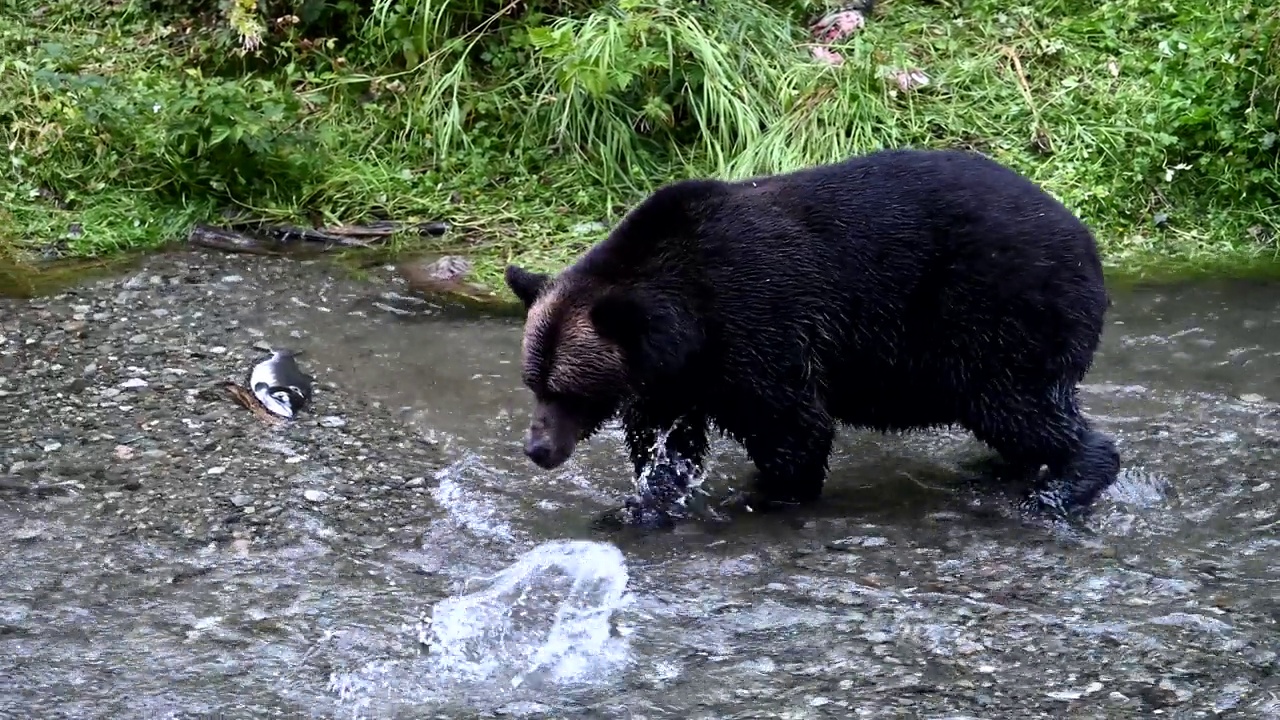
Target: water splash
(547, 619)
(1141, 488)
(548, 615)
(664, 488)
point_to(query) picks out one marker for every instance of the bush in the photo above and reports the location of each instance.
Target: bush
(1156, 120)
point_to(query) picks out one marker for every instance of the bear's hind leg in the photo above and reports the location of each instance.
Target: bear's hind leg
(1093, 467)
(791, 455)
(1031, 430)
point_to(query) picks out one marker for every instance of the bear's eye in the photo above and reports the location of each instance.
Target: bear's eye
(561, 398)
(570, 402)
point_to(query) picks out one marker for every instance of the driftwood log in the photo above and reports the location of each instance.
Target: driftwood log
(267, 239)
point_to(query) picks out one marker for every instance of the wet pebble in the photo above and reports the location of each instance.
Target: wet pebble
(851, 543)
(523, 708)
(28, 532)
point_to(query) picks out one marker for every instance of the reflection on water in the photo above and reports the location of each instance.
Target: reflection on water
(904, 594)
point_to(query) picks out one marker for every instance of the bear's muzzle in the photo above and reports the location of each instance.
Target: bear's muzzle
(552, 437)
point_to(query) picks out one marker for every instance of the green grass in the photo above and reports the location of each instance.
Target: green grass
(129, 121)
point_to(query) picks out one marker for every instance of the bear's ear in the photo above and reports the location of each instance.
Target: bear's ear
(526, 285)
(620, 318)
(656, 339)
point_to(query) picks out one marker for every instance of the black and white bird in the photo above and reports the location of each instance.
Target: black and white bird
(280, 385)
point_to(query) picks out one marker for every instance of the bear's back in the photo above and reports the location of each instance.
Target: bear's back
(890, 220)
(904, 262)
(921, 200)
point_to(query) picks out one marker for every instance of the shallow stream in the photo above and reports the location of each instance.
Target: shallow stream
(300, 578)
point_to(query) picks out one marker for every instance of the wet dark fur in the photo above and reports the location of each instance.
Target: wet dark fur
(895, 291)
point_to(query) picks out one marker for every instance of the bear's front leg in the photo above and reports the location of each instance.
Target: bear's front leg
(791, 454)
(659, 502)
(686, 441)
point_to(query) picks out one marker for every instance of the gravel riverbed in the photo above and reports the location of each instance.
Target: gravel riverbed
(112, 394)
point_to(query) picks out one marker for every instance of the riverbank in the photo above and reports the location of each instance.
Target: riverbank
(128, 124)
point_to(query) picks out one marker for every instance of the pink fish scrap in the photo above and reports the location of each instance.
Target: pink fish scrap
(832, 28)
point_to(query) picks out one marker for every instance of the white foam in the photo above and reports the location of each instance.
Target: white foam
(545, 620)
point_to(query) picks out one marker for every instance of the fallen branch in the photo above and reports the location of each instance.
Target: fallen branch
(1040, 136)
(266, 239)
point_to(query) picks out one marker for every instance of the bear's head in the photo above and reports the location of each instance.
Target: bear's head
(589, 346)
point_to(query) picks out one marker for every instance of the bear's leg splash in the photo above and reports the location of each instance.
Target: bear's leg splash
(658, 504)
(791, 455)
(1030, 430)
(686, 441)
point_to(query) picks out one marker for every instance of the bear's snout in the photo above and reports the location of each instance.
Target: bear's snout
(544, 453)
(551, 437)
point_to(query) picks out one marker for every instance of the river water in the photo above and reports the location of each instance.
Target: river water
(353, 585)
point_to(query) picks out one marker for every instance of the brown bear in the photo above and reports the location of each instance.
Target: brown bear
(899, 290)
